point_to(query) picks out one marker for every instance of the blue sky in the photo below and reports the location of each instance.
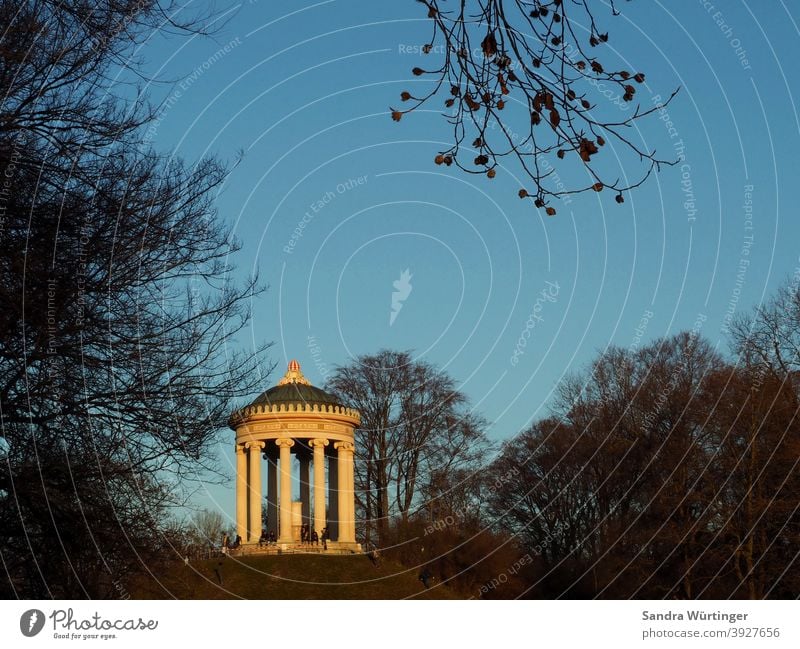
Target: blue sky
(304, 90)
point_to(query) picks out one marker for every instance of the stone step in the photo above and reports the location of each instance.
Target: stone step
(297, 548)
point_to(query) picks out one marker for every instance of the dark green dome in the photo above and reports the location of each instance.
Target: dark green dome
(296, 393)
(294, 388)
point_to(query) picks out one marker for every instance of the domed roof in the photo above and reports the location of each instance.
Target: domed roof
(295, 388)
(294, 396)
(295, 393)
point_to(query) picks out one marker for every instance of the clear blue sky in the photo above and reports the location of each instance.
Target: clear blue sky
(304, 89)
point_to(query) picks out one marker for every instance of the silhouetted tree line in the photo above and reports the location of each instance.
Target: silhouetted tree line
(666, 471)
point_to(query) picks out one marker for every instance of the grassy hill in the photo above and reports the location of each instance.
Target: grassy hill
(287, 577)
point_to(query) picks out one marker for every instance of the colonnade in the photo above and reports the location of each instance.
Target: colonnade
(339, 515)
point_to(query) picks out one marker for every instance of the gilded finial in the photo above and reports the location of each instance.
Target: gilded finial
(294, 375)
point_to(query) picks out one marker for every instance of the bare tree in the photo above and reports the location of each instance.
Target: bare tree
(207, 528)
(416, 432)
(666, 472)
(522, 78)
(769, 336)
(117, 303)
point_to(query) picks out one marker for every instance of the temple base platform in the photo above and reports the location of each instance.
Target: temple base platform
(334, 548)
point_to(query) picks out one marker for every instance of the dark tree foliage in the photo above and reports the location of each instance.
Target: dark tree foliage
(115, 303)
(667, 473)
(523, 79)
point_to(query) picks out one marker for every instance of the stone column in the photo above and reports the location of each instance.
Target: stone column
(346, 504)
(241, 492)
(255, 490)
(272, 493)
(319, 483)
(285, 532)
(351, 499)
(333, 496)
(305, 484)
